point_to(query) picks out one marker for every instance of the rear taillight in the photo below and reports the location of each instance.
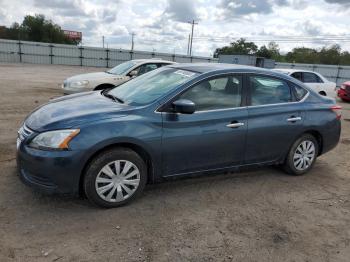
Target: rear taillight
(337, 110)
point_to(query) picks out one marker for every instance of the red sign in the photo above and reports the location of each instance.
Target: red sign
(74, 35)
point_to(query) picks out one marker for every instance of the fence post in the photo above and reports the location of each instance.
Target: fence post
(173, 56)
(337, 77)
(131, 55)
(107, 57)
(51, 54)
(153, 54)
(81, 55)
(20, 51)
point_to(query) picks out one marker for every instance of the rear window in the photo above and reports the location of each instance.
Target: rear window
(300, 92)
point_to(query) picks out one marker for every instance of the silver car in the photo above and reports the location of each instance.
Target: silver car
(113, 77)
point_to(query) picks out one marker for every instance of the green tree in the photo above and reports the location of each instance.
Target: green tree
(240, 47)
(37, 28)
(302, 55)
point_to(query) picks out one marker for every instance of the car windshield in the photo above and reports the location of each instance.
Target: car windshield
(151, 86)
(122, 69)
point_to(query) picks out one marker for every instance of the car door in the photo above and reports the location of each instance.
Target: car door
(214, 135)
(274, 118)
(312, 81)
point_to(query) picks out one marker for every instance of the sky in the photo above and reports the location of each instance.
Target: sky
(162, 25)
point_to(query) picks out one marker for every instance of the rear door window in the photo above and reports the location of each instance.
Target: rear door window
(266, 90)
(310, 78)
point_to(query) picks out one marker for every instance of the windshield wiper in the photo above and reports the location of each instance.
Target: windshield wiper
(119, 99)
(114, 98)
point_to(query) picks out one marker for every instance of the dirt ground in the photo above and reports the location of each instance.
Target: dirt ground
(256, 215)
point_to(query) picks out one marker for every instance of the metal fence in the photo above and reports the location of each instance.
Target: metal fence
(13, 51)
(334, 73)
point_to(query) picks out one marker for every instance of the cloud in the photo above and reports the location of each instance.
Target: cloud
(237, 8)
(310, 28)
(340, 2)
(181, 10)
(63, 7)
(162, 24)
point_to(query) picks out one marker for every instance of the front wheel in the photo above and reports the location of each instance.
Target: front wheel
(302, 155)
(115, 177)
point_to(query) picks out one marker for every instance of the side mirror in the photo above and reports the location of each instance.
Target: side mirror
(133, 73)
(184, 106)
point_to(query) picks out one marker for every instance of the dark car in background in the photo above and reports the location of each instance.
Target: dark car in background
(344, 92)
(175, 121)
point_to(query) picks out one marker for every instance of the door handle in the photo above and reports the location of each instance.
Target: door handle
(294, 119)
(235, 125)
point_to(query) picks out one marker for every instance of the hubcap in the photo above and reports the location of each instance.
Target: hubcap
(304, 155)
(117, 181)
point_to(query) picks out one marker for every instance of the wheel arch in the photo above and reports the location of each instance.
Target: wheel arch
(318, 137)
(103, 86)
(140, 150)
(322, 93)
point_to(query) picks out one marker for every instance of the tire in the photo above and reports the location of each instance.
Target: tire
(296, 163)
(101, 178)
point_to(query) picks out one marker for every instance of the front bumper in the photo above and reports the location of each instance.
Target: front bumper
(343, 94)
(50, 171)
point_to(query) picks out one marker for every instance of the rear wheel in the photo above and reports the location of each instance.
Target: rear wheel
(115, 178)
(302, 155)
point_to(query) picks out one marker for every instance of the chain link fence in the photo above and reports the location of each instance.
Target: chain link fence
(13, 51)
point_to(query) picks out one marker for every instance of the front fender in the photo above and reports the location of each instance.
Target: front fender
(133, 130)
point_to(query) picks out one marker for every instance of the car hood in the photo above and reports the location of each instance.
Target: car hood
(74, 110)
(91, 76)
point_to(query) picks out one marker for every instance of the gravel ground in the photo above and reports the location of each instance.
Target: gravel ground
(256, 215)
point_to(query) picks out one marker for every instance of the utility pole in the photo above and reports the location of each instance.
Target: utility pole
(188, 44)
(192, 23)
(103, 41)
(132, 41)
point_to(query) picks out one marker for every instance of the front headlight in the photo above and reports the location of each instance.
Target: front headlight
(79, 84)
(58, 139)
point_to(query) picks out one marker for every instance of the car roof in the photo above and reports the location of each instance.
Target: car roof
(154, 60)
(292, 70)
(211, 67)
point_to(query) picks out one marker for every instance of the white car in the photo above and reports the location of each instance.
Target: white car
(111, 78)
(313, 80)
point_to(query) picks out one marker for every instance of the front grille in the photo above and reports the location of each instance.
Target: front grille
(24, 132)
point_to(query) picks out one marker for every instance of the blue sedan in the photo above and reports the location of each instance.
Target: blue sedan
(175, 121)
